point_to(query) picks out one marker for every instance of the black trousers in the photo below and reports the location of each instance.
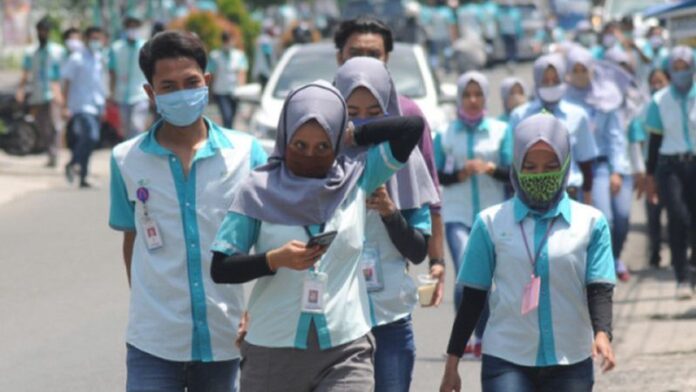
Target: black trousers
(676, 187)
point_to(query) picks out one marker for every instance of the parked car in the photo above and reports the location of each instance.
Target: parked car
(302, 64)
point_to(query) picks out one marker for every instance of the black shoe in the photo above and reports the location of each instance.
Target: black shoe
(85, 185)
(69, 175)
(52, 162)
(655, 261)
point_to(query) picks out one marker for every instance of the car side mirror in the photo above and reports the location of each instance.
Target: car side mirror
(250, 93)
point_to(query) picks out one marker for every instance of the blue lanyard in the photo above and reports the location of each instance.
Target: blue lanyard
(534, 259)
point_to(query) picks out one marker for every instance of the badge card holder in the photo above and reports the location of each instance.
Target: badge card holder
(371, 267)
(151, 232)
(313, 292)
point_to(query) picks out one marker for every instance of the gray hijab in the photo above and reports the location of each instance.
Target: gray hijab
(468, 77)
(539, 127)
(272, 193)
(506, 87)
(555, 61)
(407, 188)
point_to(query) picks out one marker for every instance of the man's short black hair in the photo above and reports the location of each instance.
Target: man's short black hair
(44, 24)
(171, 45)
(70, 31)
(92, 30)
(363, 24)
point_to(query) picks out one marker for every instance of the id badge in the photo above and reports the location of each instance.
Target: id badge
(530, 297)
(449, 164)
(370, 266)
(313, 292)
(151, 232)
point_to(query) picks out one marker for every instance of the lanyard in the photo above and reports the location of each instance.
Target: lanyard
(534, 259)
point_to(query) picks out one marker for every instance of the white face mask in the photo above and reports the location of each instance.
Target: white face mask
(552, 94)
(74, 45)
(133, 33)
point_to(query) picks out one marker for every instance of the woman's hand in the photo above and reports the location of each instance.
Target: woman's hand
(242, 329)
(615, 182)
(349, 135)
(437, 271)
(602, 348)
(651, 190)
(294, 255)
(451, 380)
(639, 184)
(381, 202)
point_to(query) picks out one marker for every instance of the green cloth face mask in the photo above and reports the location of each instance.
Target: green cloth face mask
(542, 187)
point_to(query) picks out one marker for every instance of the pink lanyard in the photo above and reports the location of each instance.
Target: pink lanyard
(534, 259)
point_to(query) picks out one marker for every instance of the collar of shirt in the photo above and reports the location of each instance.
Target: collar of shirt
(216, 140)
(561, 208)
(481, 127)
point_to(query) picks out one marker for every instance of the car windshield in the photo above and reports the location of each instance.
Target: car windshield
(306, 66)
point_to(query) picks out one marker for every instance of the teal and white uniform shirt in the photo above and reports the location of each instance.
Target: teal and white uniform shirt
(276, 318)
(395, 295)
(176, 311)
(490, 141)
(673, 115)
(575, 118)
(225, 65)
(577, 252)
(43, 65)
(123, 61)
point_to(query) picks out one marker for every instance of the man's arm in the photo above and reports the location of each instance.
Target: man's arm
(128, 240)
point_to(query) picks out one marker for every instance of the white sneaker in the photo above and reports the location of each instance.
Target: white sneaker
(684, 291)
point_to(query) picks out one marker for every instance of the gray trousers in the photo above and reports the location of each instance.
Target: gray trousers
(45, 117)
(346, 368)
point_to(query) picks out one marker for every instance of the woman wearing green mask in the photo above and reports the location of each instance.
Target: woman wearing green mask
(548, 264)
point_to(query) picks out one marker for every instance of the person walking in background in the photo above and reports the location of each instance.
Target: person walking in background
(513, 92)
(170, 189)
(671, 163)
(228, 67)
(72, 41)
(40, 82)
(265, 56)
(550, 88)
(126, 80)
(549, 260)
(510, 22)
(612, 177)
(85, 95)
(370, 37)
(637, 133)
(440, 24)
(309, 323)
(473, 157)
(397, 227)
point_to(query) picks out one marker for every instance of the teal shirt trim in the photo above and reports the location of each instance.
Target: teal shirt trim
(237, 234)
(419, 218)
(682, 99)
(475, 200)
(561, 208)
(478, 261)
(121, 210)
(380, 166)
(546, 354)
(302, 330)
(439, 152)
(636, 131)
(653, 119)
(600, 259)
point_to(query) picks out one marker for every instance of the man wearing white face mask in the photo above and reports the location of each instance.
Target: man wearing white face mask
(126, 80)
(170, 190)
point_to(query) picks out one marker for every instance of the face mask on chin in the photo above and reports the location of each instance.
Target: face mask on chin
(309, 167)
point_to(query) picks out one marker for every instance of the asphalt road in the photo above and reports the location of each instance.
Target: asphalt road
(64, 296)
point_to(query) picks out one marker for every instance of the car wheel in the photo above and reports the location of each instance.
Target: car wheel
(21, 139)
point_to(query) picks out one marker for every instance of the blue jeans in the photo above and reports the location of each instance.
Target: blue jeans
(228, 109)
(85, 128)
(616, 208)
(457, 237)
(394, 356)
(498, 375)
(147, 373)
